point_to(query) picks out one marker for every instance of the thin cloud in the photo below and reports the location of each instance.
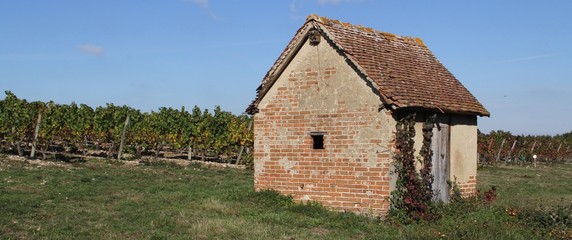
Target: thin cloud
(294, 11)
(204, 4)
(522, 59)
(329, 1)
(293, 7)
(201, 3)
(91, 49)
(250, 43)
(333, 2)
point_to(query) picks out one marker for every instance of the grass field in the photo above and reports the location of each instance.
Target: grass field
(100, 199)
(529, 187)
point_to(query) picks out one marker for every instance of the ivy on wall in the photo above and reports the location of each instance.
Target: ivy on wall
(412, 200)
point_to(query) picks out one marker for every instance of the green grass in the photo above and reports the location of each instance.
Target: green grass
(525, 187)
(108, 200)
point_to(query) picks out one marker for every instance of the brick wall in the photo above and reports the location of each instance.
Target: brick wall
(468, 188)
(352, 171)
(319, 92)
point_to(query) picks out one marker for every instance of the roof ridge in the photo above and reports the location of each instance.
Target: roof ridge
(346, 25)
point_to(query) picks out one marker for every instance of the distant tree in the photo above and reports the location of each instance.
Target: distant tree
(565, 137)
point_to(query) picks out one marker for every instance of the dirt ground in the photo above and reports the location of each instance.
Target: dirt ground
(5, 161)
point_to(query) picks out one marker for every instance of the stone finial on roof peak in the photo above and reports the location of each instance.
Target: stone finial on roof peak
(314, 17)
(420, 42)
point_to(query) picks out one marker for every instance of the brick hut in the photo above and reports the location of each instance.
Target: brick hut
(325, 116)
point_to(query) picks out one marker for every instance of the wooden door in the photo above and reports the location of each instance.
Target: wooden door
(440, 145)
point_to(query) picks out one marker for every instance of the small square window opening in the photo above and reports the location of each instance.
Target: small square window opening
(318, 140)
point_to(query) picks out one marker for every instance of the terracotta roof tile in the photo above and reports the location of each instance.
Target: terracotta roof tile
(403, 69)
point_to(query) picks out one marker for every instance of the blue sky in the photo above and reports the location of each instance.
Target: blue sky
(514, 56)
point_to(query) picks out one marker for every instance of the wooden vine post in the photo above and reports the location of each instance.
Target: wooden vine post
(512, 149)
(499, 152)
(190, 153)
(490, 150)
(122, 138)
(36, 130)
(532, 148)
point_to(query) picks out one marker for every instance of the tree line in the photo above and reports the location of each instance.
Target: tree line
(110, 130)
(503, 146)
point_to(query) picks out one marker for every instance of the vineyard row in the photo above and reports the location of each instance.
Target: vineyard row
(502, 146)
(50, 128)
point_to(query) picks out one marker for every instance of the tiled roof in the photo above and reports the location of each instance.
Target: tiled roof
(403, 69)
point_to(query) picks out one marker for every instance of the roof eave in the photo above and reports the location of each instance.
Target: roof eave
(445, 111)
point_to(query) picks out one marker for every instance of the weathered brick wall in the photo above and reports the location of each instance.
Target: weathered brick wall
(318, 91)
(468, 188)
